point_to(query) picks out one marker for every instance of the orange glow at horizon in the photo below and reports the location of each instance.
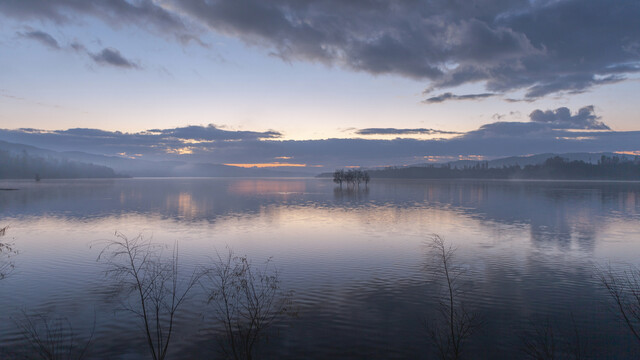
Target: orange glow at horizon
(635, 152)
(267, 165)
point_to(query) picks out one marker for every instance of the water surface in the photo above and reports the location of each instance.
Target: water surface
(356, 260)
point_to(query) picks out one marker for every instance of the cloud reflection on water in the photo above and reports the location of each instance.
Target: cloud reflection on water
(354, 257)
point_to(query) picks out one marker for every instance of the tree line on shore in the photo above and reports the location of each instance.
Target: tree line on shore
(607, 168)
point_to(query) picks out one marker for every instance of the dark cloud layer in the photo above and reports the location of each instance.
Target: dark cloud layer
(394, 131)
(549, 131)
(539, 46)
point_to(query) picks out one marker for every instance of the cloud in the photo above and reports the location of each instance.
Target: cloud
(212, 133)
(511, 130)
(555, 132)
(540, 47)
(150, 142)
(42, 37)
(107, 56)
(561, 118)
(449, 96)
(394, 131)
(499, 117)
(112, 57)
(142, 13)
(76, 46)
(544, 125)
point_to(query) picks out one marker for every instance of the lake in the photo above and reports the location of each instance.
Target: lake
(356, 261)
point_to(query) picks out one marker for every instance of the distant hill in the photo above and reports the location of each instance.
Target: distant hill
(23, 165)
(591, 158)
(555, 168)
(522, 161)
(146, 168)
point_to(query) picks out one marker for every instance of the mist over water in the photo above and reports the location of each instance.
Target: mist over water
(355, 259)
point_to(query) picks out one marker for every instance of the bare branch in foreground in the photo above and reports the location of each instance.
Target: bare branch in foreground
(623, 288)
(6, 253)
(452, 329)
(152, 286)
(542, 342)
(247, 300)
(53, 338)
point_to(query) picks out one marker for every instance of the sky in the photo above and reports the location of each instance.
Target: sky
(322, 83)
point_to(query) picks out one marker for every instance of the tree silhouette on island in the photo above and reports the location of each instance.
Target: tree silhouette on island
(352, 176)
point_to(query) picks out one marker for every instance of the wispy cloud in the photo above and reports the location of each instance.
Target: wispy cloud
(41, 37)
(213, 133)
(112, 57)
(148, 14)
(450, 96)
(107, 56)
(395, 131)
(5, 94)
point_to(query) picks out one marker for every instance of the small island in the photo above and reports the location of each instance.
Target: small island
(352, 177)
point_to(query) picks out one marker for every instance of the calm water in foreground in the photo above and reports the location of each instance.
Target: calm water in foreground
(355, 260)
